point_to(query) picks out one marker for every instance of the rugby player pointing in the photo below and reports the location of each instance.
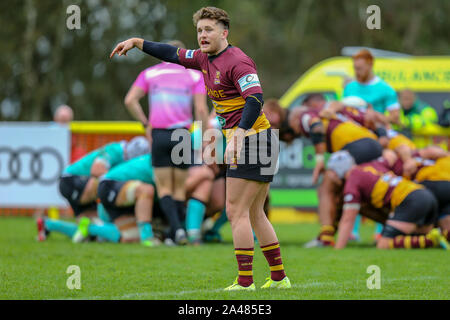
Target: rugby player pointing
(232, 84)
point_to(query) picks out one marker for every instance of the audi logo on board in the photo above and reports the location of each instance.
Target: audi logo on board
(26, 165)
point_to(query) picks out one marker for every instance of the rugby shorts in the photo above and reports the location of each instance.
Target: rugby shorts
(441, 190)
(258, 160)
(162, 146)
(71, 187)
(364, 150)
(419, 207)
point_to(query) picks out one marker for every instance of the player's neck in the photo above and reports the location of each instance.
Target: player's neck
(369, 78)
(222, 47)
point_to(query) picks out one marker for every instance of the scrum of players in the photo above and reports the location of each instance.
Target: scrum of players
(112, 193)
(373, 171)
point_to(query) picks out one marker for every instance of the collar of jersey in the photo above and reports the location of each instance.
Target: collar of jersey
(211, 58)
(373, 81)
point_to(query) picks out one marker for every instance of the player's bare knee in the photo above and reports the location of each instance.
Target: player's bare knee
(145, 191)
(257, 217)
(127, 196)
(233, 212)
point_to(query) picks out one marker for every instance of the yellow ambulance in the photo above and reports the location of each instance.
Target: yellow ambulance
(428, 76)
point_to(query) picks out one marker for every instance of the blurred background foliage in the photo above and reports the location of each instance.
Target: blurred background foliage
(44, 64)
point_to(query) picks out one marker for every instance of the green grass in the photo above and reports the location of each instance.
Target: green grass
(32, 270)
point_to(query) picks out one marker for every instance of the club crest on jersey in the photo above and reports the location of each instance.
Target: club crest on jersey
(217, 79)
(189, 54)
(249, 81)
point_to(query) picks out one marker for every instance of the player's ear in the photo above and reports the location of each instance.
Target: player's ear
(224, 33)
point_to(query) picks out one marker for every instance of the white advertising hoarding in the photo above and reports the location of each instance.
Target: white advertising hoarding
(32, 157)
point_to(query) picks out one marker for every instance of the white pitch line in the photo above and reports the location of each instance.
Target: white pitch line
(188, 292)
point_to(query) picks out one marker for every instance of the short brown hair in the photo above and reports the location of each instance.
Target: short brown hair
(363, 54)
(212, 13)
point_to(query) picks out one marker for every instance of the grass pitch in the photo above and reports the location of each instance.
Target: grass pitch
(32, 270)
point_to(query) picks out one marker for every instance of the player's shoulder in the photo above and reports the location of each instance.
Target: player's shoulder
(150, 71)
(380, 83)
(154, 67)
(237, 55)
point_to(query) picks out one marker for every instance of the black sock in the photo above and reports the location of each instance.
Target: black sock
(181, 209)
(169, 208)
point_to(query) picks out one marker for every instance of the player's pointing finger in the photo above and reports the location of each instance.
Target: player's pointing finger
(116, 50)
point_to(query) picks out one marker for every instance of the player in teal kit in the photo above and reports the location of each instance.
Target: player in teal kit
(372, 88)
(79, 182)
(126, 189)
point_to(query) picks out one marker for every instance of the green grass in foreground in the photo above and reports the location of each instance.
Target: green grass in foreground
(32, 270)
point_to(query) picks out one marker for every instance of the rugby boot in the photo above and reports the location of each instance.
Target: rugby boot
(42, 232)
(181, 237)
(82, 233)
(282, 284)
(437, 238)
(153, 242)
(236, 286)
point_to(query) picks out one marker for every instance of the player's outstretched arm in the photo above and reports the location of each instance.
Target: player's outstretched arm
(162, 51)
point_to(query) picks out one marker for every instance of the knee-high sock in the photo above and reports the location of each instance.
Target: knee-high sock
(356, 226)
(64, 227)
(169, 209)
(108, 231)
(181, 210)
(326, 234)
(273, 256)
(408, 242)
(378, 228)
(194, 217)
(244, 257)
